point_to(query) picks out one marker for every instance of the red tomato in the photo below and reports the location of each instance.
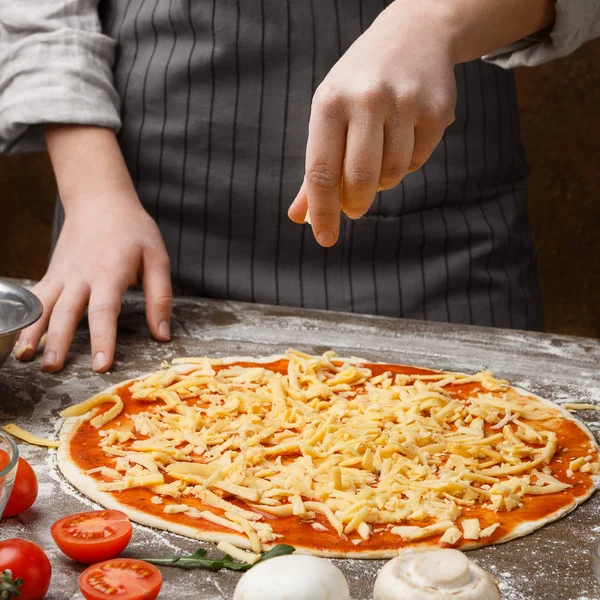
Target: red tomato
(121, 578)
(27, 561)
(4, 460)
(94, 536)
(25, 488)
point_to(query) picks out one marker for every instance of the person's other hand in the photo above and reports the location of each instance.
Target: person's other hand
(378, 114)
(108, 242)
(100, 252)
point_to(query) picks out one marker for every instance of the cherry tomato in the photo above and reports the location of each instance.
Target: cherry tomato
(27, 561)
(25, 488)
(122, 579)
(94, 536)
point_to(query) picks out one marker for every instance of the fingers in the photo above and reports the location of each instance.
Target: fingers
(48, 292)
(298, 211)
(426, 140)
(398, 146)
(68, 311)
(362, 165)
(324, 163)
(103, 312)
(434, 117)
(158, 292)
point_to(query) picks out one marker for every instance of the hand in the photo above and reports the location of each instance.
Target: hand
(385, 105)
(377, 116)
(108, 242)
(98, 255)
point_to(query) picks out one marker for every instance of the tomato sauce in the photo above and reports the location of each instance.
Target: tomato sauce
(87, 454)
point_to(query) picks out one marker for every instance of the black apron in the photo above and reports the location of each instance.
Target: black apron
(215, 105)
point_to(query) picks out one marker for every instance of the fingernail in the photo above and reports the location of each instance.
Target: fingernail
(99, 361)
(164, 330)
(23, 350)
(49, 359)
(326, 238)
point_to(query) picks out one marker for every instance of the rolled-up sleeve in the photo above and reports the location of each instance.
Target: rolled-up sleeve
(55, 67)
(577, 21)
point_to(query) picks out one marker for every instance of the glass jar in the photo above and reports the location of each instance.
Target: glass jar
(9, 459)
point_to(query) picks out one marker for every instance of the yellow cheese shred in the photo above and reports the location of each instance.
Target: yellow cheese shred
(84, 407)
(30, 438)
(238, 553)
(580, 406)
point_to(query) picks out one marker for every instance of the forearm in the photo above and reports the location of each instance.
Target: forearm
(474, 28)
(88, 166)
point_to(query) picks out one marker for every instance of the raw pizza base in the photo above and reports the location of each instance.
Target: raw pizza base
(88, 486)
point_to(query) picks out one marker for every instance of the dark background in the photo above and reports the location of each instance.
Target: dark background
(560, 117)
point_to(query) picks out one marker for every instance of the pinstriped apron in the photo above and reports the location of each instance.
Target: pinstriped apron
(215, 103)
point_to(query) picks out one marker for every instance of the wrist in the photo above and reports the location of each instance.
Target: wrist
(470, 29)
(89, 168)
(426, 20)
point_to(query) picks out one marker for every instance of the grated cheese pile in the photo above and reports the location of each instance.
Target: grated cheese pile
(366, 453)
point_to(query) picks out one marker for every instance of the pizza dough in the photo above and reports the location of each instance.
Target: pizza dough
(337, 457)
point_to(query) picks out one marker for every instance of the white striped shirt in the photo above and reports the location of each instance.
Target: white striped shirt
(56, 64)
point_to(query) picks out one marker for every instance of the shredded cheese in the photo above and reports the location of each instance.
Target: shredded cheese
(237, 553)
(329, 438)
(450, 537)
(87, 405)
(30, 438)
(471, 529)
(580, 406)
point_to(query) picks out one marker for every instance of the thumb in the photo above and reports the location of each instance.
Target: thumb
(298, 211)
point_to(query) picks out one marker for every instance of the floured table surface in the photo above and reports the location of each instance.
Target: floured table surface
(554, 562)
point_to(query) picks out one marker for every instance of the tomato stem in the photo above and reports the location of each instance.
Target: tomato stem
(9, 587)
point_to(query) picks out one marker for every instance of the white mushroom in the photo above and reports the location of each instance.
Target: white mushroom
(434, 575)
(293, 577)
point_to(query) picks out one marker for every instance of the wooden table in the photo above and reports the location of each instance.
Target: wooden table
(551, 564)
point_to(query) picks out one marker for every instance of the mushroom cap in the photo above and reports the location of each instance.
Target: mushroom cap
(442, 574)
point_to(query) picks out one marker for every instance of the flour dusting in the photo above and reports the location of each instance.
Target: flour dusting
(551, 564)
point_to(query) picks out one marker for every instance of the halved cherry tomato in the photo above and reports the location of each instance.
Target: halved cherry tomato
(22, 559)
(122, 579)
(25, 487)
(91, 537)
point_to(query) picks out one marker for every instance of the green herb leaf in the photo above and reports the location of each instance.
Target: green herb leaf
(199, 560)
(279, 550)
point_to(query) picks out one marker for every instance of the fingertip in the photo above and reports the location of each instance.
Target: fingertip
(299, 208)
(354, 214)
(24, 350)
(100, 363)
(163, 332)
(326, 238)
(297, 216)
(51, 362)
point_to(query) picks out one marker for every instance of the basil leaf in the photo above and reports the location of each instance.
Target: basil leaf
(279, 550)
(199, 560)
